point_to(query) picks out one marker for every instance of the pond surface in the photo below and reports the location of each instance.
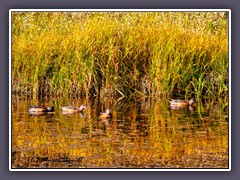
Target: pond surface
(141, 134)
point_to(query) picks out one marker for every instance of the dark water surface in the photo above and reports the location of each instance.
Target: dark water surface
(141, 134)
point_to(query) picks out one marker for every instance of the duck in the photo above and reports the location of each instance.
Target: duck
(181, 103)
(106, 115)
(40, 109)
(73, 108)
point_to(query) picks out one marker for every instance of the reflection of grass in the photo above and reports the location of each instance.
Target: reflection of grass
(184, 138)
(161, 139)
(75, 54)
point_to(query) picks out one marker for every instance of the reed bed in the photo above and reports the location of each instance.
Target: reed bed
(120, 54)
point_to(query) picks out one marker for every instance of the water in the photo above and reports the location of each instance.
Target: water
(141, 134)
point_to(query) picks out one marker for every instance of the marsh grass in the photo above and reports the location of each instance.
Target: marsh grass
(119, 54)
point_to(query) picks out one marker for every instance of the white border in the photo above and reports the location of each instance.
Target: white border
(229, 89)
(115, 10)
(120, 10)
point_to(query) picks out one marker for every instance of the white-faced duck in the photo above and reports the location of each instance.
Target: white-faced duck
(181, 103)
(105, 115)
(40, 109)
(73, 108)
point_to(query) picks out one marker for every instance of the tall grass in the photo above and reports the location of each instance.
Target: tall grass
(120, 54)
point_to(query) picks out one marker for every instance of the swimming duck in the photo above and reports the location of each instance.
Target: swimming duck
(40, 109)
(181, 103)
(105, 115)
(73, 108)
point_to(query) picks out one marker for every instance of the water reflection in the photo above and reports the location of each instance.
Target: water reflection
(139, 134)
(40, 113)
(81, 115)
(190, 108)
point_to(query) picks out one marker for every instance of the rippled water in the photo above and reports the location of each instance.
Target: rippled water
(141, 134)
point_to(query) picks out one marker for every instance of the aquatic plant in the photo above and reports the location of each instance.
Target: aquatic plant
(120, 54)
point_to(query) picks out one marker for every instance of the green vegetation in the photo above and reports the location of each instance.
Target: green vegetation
(133, 54)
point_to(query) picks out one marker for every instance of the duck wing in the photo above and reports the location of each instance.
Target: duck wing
(69, 107)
